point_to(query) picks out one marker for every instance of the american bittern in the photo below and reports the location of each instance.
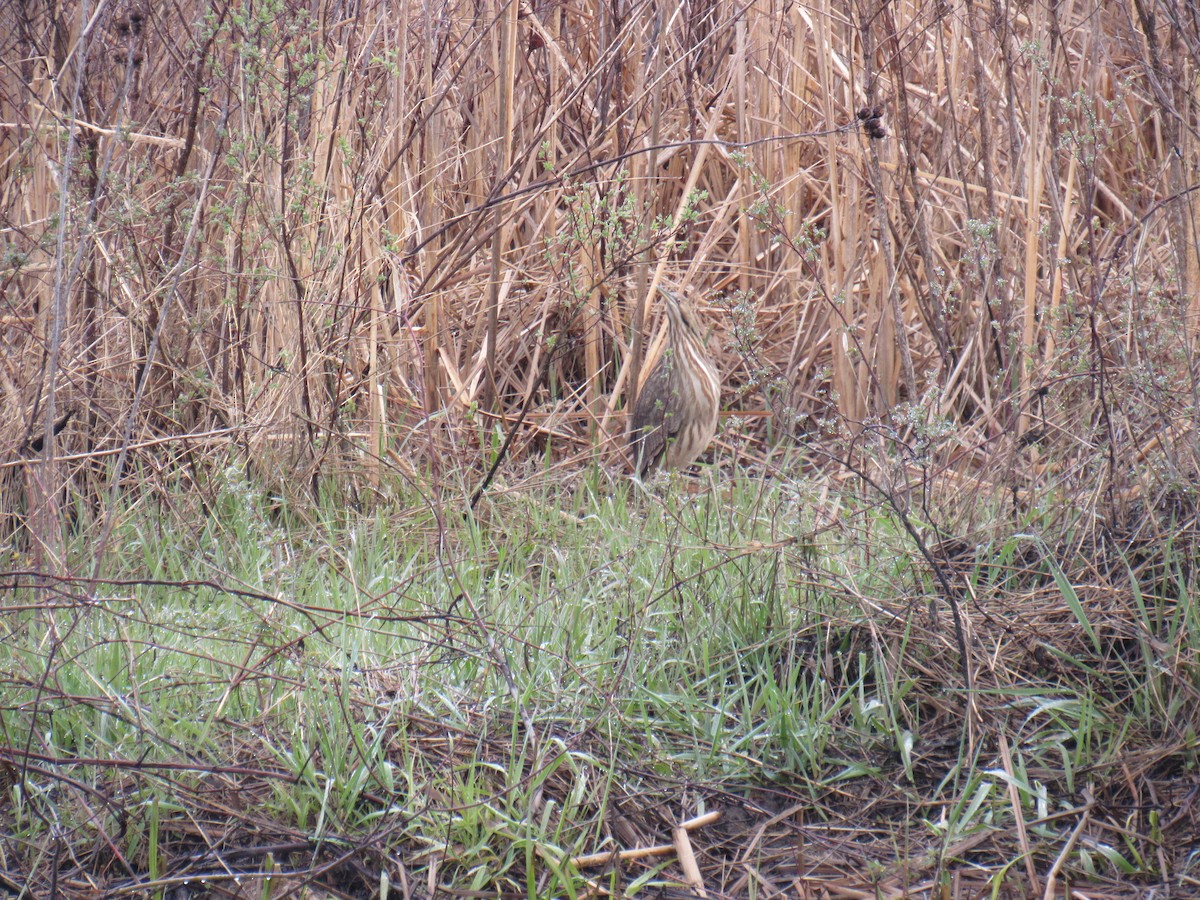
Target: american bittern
(676, 413)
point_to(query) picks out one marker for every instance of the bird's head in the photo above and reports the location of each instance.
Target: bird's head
(684, 319)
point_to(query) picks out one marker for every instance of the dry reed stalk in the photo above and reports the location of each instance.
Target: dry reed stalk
(431, 149)
(587, 296)
(41, 481)
(507, 69)
(1064, 237)
(643, 170)
(891, 335)
(842, 247)
(1035, 150)
(743, 192)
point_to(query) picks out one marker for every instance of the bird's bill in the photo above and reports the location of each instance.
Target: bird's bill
(673, 299)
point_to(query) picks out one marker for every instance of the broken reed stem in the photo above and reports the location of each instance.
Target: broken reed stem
(600, 859)
(687, 861)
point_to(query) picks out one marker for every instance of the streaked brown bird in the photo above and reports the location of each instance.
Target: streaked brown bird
(675, 417)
